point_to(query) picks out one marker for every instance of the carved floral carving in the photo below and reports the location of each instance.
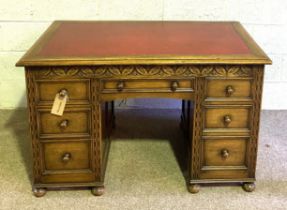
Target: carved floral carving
(145, 71)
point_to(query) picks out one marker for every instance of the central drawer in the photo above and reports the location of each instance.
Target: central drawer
(154, 85)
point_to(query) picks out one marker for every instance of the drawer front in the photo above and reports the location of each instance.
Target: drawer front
(78, 91)
(147, 85)
(224, 159)
(229, 88)
(224, 152)
(62, 156)
(74, 122)
(227, 117)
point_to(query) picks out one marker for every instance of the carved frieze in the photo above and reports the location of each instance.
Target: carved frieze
(138, 71)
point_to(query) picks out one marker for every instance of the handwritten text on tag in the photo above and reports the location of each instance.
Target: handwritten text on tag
(59, 105)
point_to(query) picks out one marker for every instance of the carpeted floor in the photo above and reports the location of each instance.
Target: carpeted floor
(145, 168)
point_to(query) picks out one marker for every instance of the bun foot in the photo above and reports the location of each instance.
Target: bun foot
(39, 192)
(98, 191)
(248, 187)
(194, 188)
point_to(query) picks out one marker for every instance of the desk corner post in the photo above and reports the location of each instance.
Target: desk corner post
(195, 136)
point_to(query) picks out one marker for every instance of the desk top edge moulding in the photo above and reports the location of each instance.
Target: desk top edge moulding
(76, 70)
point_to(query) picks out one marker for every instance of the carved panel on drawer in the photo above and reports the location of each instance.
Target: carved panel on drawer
(227, 118)
(74, 122)
(66, 156)
(78, 91)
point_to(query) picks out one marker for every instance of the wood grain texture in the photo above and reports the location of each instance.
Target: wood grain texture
(235, 152)
(152, 85)
(78, 91)
(218, 88)
(97, 130)
(147, 94)
(197, 128)
(257, 96)
(226, 175)
(31, 91)
(216, 159)
(54, 156)
(221, 127)
(78, 122)
(202, 81)
(68, 179)
(215, 117)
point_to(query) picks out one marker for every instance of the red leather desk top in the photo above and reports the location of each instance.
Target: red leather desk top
(120, 39)
(74, 40)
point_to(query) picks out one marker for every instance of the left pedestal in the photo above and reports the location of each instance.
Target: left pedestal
(68, 150)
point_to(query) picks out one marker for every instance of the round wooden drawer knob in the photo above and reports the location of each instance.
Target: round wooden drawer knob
(64, 124)
(224, 153)
(66, 157)
(174, 85)
(63, 93)
(227, 120)
(120, 86)
(229, 90)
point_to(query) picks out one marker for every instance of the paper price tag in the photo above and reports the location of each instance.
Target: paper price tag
(59, 105)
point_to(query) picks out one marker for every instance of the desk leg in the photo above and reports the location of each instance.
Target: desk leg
(195, 134)
(98, 138)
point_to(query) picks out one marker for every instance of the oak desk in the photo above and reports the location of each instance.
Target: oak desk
(216, 65)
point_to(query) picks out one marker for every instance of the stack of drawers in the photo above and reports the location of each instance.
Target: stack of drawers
(226, 128)
(228, 131)
(65, 141)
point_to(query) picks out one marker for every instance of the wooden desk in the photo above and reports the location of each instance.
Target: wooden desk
(216, 65)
